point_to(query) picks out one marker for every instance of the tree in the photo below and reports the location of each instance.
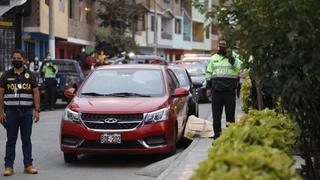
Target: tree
(117, 17)
(283, 38)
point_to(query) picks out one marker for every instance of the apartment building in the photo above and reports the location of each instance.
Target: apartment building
(180, 29)
(74, 28)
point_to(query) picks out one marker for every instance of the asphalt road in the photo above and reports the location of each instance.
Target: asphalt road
(49, 159)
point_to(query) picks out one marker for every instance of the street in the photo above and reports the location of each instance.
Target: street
(49, 159)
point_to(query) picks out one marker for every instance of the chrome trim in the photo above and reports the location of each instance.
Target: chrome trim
(143, 143)
(75, 146)
(110, 130)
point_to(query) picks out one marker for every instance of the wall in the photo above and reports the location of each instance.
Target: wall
(61, 19)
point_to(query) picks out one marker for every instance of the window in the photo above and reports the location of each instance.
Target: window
(152, 23)
(207, 32)
(167, 1)
(177, 1)
(70, 9)
(173, 81)
(178, 26)
(141, 25)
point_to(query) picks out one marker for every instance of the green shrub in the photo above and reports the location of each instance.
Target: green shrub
(240, 161)
(246, 95)
(256, 147)
(265, 128)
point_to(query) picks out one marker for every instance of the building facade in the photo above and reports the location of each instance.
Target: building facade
(74, 28)
(11, 14)
(180, 29)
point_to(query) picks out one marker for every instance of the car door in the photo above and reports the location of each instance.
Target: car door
(179, 103)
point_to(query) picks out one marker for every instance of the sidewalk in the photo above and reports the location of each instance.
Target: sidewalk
(186, 164)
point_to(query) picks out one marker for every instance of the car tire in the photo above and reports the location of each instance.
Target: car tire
(174, 146)
(70, 157)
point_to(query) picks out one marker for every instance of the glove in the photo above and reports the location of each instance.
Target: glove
(231, 61)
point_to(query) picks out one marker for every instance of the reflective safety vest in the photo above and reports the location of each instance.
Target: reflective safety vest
(49, 72)
(219, 67)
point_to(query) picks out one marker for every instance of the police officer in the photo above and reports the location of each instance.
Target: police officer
(49, 73)
(19, 105)
(222, 74)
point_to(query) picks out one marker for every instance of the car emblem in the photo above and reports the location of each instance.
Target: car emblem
(111, 121)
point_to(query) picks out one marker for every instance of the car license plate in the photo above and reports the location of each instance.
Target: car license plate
(113, 138)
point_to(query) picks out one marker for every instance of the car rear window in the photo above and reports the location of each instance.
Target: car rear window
(141, 81)
(66, 66)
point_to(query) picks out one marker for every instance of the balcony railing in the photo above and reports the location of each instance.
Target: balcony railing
(198, 39)
(166, 36)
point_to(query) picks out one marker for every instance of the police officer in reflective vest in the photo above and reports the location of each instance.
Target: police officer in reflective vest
(49, 73)
(222, 74)
(19, 106)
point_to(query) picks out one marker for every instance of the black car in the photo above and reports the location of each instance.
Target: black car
(186, 83)
(69, 76)
(197, 73)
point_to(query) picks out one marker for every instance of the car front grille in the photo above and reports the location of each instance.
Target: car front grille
(123, 121)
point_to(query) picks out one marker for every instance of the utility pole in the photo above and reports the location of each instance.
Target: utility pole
(51, 30)
(155, 38)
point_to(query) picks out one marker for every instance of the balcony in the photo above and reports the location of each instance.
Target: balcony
(165, 35)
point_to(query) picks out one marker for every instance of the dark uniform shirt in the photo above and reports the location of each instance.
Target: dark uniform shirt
(18, 89)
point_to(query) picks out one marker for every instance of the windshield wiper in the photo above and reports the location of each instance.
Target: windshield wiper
(126, 94)
(92, 94)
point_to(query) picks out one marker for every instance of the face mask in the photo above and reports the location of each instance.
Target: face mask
(222, 50)
(48, 64)
(17, 64)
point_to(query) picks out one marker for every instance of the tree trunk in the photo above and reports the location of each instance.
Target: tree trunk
(258, 84)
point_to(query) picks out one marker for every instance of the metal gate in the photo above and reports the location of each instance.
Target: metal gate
(7, 46)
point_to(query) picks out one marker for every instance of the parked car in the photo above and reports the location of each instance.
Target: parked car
(186, 83)
(197, 73)
(125, 108)
(195, 59)
(142, 59)
(69, 75)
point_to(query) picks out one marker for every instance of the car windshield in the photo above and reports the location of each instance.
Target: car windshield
(195, 69)
(124, 83)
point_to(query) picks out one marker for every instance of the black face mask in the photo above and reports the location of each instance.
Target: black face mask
(17, 64)
(222, 50)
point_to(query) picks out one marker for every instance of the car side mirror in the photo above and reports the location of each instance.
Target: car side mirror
(180, 92)
(70, 92)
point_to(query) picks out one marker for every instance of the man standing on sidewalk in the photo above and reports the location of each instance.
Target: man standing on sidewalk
(19, 94)
(222, 74)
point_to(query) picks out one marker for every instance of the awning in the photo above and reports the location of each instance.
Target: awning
(12, 4)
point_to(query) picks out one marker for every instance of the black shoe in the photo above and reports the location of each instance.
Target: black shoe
(216, 136)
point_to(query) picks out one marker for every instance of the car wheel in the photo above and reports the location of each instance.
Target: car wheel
(70, 157)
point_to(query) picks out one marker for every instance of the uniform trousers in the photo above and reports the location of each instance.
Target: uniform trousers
(18, 119)
(222, 99)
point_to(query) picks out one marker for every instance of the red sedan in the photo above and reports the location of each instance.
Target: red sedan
(125, 108)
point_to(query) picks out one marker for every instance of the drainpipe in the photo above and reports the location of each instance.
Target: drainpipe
(51, 30)
(155, 38)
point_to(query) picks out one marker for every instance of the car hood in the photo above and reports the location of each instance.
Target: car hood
(117, 104)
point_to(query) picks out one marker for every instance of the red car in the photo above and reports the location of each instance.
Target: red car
(125, 108)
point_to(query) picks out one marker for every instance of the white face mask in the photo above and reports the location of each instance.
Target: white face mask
(48, 64)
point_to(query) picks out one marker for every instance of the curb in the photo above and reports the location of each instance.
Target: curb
(176, 163)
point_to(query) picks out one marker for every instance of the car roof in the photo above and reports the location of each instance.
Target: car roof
(132, 66)
(63, 60)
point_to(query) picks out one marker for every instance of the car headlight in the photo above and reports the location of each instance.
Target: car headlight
(72, 116)
(156, 116)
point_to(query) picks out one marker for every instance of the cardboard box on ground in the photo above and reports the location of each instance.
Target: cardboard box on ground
(197, 127)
